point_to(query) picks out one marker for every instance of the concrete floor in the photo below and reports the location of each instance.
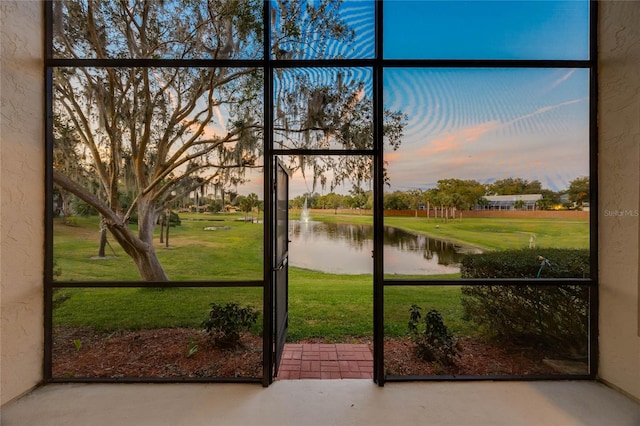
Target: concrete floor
(325, 402)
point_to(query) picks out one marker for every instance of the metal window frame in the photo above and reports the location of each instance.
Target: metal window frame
(378, 65)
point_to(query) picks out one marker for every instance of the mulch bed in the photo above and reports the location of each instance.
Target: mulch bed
(163, 353)
(475, 358)
(189, 353)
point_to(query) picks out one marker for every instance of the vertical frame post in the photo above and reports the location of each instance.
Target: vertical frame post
(268, 225)
(593, 189)
(378, 205)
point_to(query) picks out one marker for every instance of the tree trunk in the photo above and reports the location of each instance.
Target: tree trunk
(140, 247)
(149, 266)
(168, 221)
(147, 260)
(103, 242)
(161, 229)
(66, 206)
(141, 252)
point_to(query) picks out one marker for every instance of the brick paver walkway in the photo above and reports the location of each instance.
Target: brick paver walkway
(326, 361)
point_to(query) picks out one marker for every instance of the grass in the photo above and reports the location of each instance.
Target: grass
(328, 305)
(487, 233)
(231, 252)
(111, 309)
(320, 305)
(445, 299)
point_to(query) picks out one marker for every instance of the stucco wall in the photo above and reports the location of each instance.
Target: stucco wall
(619, 168)
(22, 177)
(21, 202)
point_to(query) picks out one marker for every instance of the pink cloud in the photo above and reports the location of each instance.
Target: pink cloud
(392, 157)
(452, 141)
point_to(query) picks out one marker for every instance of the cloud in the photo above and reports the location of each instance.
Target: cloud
(562, 79)
(453, 140)
(392, 157)
(544, 110)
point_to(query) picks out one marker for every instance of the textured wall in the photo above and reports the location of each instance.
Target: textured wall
(619, 181)
(22, 199)
(22, 177)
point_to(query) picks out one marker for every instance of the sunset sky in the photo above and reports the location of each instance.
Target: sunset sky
(482, 124)
(490, 124)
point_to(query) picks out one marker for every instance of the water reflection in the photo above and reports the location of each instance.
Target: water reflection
(348, 248)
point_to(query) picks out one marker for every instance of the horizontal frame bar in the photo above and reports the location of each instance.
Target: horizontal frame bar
(156, 380)
(511, 378)
(318, 63)
(494, 282)
(153, 284)
(326, 152)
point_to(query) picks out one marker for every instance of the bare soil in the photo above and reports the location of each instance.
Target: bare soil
(189, 353)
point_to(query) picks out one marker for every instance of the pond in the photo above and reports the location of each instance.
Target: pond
(347, 249)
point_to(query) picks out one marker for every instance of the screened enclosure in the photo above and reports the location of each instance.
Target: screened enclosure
(186, 142)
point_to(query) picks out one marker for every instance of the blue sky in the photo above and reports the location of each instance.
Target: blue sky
(480, 29)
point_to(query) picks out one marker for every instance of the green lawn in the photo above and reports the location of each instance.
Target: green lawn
(320, 305)
(110, 309)
(233, 251)
(487, 233)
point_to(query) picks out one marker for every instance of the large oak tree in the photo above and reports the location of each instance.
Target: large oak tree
(148, 135)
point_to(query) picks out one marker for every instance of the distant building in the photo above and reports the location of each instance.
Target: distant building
(510, 202)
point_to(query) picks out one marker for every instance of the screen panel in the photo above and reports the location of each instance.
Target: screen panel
(493, 167)
(487, 330)
(170, 29)
(323, 108)
(121, 333)
(161, 186)
(511, 29)
(326, 29)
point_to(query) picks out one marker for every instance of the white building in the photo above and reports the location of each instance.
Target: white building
(510, 202)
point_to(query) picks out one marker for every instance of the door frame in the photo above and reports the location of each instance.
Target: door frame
(280, 262)
(270, 265)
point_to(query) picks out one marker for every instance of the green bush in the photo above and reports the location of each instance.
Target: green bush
(555, 316)
(524, 263)
(225, 323)
(81, 208)
(174, 219)
(434, 342)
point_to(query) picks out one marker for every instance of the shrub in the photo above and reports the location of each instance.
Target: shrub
(174, 219)
(433, 343)
(81, 208)
(524, 263)
(225, 323)
(551, 315)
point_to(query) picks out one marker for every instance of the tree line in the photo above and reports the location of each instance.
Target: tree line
(458, 194)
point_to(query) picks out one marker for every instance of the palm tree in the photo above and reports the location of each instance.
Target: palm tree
(252, 201)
